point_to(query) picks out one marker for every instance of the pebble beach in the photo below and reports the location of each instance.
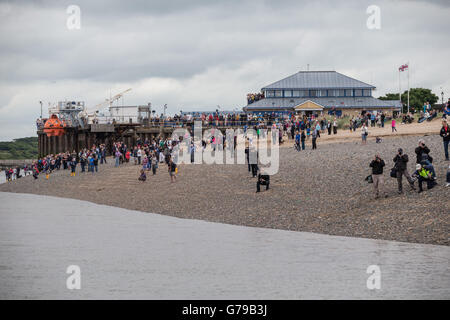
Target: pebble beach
(321, 191)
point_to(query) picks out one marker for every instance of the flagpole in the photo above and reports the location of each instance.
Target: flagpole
(408, 86)
(400, 91)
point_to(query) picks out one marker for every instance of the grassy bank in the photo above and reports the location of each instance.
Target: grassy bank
(23, 148)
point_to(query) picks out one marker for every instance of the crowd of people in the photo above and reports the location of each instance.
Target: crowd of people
(252, 97)
(149, 155)
(424, 170)
(88, 159)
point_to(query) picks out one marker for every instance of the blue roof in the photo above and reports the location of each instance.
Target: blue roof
(318, 80)
(326, 102)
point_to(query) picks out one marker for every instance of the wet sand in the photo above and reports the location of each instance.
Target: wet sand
(320, 191)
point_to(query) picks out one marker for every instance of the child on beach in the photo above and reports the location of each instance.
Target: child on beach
(73, 165)
(393, 125)
(143, 176)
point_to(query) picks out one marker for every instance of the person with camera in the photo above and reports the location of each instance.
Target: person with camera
(421, 150)
(401, 161)
(377, 166)
(263, 179)
(424, 174)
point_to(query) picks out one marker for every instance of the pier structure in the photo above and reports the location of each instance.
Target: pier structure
(76, 138)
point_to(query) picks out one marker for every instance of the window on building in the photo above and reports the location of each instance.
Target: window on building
(313, 93)
(322, 93)
(270, 94)
(296, 93)
(333, 93)
(304, 93)
(278, 93)
(288, 93)
(367, 92)
(358, 93)
(341, 93)
(348, 92)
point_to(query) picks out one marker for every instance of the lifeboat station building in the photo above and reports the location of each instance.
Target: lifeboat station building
(320, 92)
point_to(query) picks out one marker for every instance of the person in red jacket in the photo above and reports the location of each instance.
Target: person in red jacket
(445, 134)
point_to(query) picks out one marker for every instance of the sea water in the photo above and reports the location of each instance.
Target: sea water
(124, 254)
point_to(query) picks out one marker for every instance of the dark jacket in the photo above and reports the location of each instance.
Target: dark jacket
(263, 179)
(401, 161)
(445, 135)
(377, 166)
(420, 151)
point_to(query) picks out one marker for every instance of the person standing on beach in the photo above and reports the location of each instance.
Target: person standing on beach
(139, 155)
(314, 139)
(172, 170)
(377, 176)
(421, 150)
(297, 141)
(73, 166)
(393, 124)
(95, 162)
(335, 126)
(117, 156)
(329, 127)
(154, 163)
(83, 163)
(445, 134)
(364, 133)
(401, 161)
(91, 163)
(302, 139)
(103, 153)
(253, 160)
(35, 170)
(318, 129)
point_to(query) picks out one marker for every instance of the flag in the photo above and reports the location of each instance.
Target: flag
(403, 67)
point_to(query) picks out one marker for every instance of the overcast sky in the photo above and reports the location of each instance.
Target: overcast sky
(197, 54)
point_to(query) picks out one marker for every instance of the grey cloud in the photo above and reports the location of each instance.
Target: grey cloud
(203, 53)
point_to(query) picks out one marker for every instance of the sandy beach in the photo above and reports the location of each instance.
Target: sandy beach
(319, 191)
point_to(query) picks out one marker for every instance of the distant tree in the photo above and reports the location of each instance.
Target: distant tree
(23, 148)
(389, 96)
(417, 97)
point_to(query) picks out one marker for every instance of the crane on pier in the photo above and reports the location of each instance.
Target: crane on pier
(108, 102)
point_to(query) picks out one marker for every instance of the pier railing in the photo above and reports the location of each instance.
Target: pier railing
(206, 124)
(10, 163)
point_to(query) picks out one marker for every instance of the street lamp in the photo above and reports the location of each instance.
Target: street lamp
(165, 107)
(442, 97)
